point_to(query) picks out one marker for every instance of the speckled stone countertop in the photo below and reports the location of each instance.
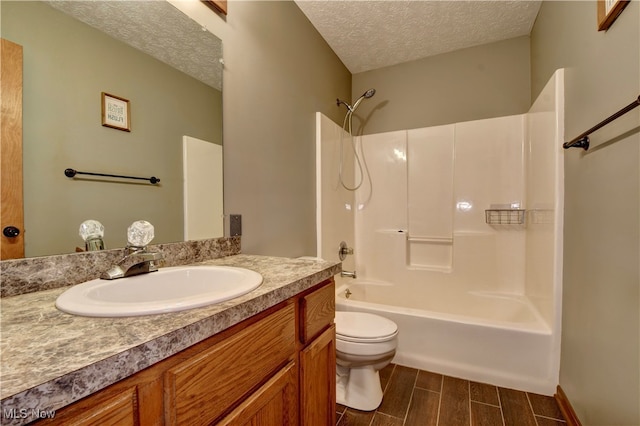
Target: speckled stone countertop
(51, 359)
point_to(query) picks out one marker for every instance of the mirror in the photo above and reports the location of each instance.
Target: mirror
(149, 53)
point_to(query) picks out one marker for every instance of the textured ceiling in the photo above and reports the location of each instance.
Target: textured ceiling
(158, 29)
(368, 34)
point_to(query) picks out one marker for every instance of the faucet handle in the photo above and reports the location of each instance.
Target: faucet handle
(344, 250)
(140, 233)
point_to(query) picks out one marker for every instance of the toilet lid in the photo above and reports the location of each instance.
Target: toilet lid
(362, 326)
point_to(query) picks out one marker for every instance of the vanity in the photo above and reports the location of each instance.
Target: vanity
(267, 357)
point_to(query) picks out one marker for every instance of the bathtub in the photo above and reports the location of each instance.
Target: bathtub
(492, 338)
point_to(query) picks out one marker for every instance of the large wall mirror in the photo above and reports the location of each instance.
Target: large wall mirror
(151, 54)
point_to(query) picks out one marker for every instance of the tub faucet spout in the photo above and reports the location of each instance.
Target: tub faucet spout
(349, 274)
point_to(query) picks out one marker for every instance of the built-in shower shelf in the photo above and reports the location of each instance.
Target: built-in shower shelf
(504, 216)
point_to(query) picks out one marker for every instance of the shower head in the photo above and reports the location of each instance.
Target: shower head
(366, 95)
(369, 93)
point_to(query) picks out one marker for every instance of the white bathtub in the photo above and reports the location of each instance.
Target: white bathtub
(490, 338)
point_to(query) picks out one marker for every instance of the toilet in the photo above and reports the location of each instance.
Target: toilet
(365, 344)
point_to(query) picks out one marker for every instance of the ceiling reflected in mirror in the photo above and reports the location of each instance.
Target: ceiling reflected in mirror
(155, 28)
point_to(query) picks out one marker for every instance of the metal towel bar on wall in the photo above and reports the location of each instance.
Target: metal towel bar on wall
(71, 173)
(582, 141)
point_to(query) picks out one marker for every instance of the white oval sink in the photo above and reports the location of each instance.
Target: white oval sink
(167, 290)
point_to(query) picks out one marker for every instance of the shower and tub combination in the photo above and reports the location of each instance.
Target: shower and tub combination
(365, 342)
(459, 244)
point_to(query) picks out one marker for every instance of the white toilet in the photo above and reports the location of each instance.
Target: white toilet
(365, 344)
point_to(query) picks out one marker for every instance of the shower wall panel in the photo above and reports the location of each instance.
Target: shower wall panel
(489, 171)
(430, 197)
(545, 171)
(381, 202)
(335, 205)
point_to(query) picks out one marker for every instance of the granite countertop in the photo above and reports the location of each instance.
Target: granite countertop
(51, 359)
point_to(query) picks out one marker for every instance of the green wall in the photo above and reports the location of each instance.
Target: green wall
(490, 80)
(600, 355)
(67, 65)
(278, 72)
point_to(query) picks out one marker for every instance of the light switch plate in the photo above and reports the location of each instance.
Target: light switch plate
(235, 225)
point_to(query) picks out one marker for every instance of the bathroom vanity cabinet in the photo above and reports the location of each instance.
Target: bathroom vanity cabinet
(275, 368)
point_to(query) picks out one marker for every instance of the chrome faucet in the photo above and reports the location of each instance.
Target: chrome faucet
(137, 260)
(348, 274)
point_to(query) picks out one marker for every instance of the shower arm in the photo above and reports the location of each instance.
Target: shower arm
(341, 102)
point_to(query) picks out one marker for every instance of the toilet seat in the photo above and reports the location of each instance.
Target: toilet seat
(361, 340)
(362, 327)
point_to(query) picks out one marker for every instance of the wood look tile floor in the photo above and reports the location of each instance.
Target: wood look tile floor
(417, 397)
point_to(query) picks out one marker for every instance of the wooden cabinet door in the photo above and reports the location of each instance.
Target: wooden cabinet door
(201, 389)
(317, 311)
(318, 381)
(11, 150)
(119, 409)
(275, 403)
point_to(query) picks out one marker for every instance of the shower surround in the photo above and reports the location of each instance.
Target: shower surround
(472, 299)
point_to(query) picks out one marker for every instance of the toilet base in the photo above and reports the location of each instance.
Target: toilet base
(358, 388)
